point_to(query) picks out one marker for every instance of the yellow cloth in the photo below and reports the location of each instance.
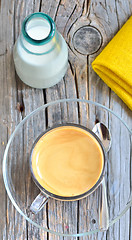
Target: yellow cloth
(114, 63)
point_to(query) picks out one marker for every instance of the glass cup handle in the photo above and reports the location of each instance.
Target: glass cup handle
(38, 203)
(103, 208)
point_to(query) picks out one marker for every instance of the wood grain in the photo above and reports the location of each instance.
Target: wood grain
(18, 100)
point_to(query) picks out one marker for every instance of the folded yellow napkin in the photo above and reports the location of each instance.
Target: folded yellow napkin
(114, 63)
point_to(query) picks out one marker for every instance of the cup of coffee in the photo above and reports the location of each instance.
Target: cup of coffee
(67, 163)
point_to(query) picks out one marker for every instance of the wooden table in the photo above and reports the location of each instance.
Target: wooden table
(17, 100)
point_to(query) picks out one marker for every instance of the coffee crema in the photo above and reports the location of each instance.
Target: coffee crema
(67, 161)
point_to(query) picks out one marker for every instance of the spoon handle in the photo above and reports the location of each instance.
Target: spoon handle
(103, 208)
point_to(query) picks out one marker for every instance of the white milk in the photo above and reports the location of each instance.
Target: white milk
(38, 29)
(40, 66)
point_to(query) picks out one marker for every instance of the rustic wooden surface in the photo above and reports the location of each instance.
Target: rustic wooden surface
(17, 100)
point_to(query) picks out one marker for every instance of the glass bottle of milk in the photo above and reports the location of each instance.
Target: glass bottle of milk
(40, 53)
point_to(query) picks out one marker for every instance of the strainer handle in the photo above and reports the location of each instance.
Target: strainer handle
(38, 203)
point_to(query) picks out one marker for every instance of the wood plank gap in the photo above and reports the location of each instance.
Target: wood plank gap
(88, 66)
(77, 94)
(130, 166)
(63, 216)
(19, 99)
(14, 222)
(65, 86)
(74, 23)
(119, 230)
(109, 102)
(40, 5)
(71, 67)
(70, 48)
(6, 214)
(130, 217)
(120, 180)
(47, 215)
(105, 4)
(83, 8)
(22, 106)
(117, 14)
(57, 10)
(70, 17)
(6, 205)
(130, 2)
(46, 110)
(27, 229)
(76, 84)
(120, 171)
(34, 5)
(44, 95)
(78, 218)
(88, 3)
(14, 25)
(6, 208)
(107, 186)
(16, 77)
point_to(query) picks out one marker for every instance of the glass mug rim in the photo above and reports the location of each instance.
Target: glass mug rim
(66, 198)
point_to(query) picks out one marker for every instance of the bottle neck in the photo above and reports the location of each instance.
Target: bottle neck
(39, 35)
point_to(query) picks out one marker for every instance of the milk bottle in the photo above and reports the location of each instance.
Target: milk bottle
(40, 53)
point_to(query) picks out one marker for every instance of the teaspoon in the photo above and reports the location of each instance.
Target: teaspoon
(104, 135)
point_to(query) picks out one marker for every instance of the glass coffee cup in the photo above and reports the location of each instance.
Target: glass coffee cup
(45, 194)
(22, 191)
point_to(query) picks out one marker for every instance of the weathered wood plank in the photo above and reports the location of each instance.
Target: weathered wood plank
(35, 97)
(9, 105)
(118, 230)
(99, 97)
(87, 218)
(62, 215)
(18, 95)
(79, 81)
(3, 141)
(99, 92)
(65, 218)
(123, 11)
(71, 88)
(3, 120)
